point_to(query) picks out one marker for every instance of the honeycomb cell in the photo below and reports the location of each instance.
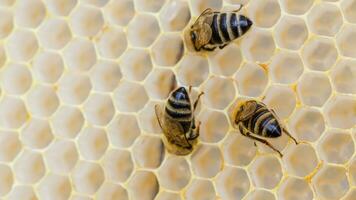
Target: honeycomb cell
(48, 66)
(218, 92)
(86, 20)
(300, 160)
(6, 179)
(174, 173)
(29, 13)
(296, 7)
(148, 151)
(61, 7)
(258, 194)
(13, 113)
(343, 76)
(330, 182)
(280, 99)
(112, 43)
(251, 80)
(258, 45)
(79, 197)
(10, 146)
(286, 67)
(226, 61)
(232, 183)
(37, 134)
(266, 172)
(264, 13)
(200, 190)
(92, 143)
(54, 187)
(61, 156)
(74, 88)
(22, 192)
(168, 196)
(198, 6)
(294, 188)
(99, 3)
(348, 7)
(110, 191)
(319, 54)
(193, 70)
(6, 23)
(314, 88)
(130, 97)
(346, 40)
(159, 83)
(79, 55)
(143, 185)
(325, 19)
(3, 56)
(120, 12)
(16, 79)
(29, 167)
(336, 147)
(340, 112)
(214, 125)
(123, 130)
(99, 109)
(168, 55)
(142, 30)
(206, 161)
(54, 34)
(87, 177)
(291, 32)
(21, 45)
(105, 76)
(148, 5)
(174, 15)
(67, 121)
(118, 165)
(42, 101)
(148, 118)
(350, 195)
(135, 64)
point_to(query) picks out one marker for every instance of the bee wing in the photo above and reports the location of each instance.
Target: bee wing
(205, 12)
(250, 108)
(175, 133)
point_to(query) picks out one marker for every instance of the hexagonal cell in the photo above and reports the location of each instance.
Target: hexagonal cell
(266, 172)
(258, 45)
(54, 187)
(87, 177)
(319, 54)
(168, 55)
(143, 185)
(99, 109)
(105, 76)
(61, 156)
(264, 13)
(42, 101)
(99, 3)
(343, 76)
(346, 41)
(92, 143)
(62, 7)
(214, 125)
(238, 150)
(199, 6)
(112, 42)
(226, 61)
(218, 92)
(74, 88)
(193, 70)
(352, 171)
(22, 192)
(10, 146)
(158, 84)
(325, 19)
(21, 45)
(294, 188)
(314, 89)
(168, 196)
(6, 23)
(6, 179)
(37, 134)
(350, 195)
(174, 15)
(120, 12)
(174, 173)
(67, 121)
(206, 161)
(54, 34)
(110, 191)
(3, 56)
(29, 13)
(286, 67)
(86, 20)
(142, 30)
(148, 151)
(251, 80)
(79, 197)
(331, 182)
(79, 54)
(118, 165)
(130, 96)
(135, 64)
(148, 5)
(232, 183)
(348, 7)
(16, 79)
(336, 147)
(291, 32)
(200, 190)
(280, 99)
(13, 113)
(123, 130)
(29, 167)
(148, 118)
(339, 112)
(48, 66)
(258, 194)
(296, 8)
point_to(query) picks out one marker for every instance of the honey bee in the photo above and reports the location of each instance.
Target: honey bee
(253, 118)
(217, 29)
(177, 122)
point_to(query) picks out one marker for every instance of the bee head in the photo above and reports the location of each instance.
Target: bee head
(180, 94)
(193, 37)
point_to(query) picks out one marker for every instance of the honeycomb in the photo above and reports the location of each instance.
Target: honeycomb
(80, 79)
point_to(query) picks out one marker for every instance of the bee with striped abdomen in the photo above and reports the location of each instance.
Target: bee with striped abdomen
(178, 123)
(253, 119)
(217, 29)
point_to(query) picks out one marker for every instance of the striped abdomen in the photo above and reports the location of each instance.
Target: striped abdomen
(227, 27)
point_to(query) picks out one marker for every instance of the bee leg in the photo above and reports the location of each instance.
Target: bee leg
(289, 135)
(197, 101)
(223, 46)
(194, 132)
(157, 116)
(241, 5)
(208, 49)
